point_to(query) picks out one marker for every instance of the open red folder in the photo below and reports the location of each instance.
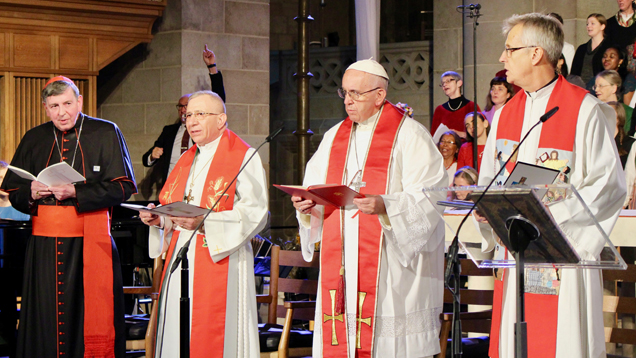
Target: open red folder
(325, 194)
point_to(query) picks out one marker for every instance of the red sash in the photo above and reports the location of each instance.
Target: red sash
(209, 296)
(375, 174)
(94, 227)
(557, 136)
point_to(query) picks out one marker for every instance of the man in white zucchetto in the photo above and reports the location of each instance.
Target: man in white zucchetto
(381, 274)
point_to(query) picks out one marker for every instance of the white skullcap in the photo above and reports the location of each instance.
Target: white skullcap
(369, 66)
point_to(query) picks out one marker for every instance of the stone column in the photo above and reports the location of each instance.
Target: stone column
(237, 32)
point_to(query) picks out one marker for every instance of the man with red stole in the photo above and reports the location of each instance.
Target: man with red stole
(381, 274)
(223, 317)
(563, 307)
(72, 301)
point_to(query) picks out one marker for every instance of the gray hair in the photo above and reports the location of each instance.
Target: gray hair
(612, 77)
(539, 30)
(57, 88)
(208, 93)
(452, 74)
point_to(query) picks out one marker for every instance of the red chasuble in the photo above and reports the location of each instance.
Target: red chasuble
(556, 150)
(376, 175)
(210, 279)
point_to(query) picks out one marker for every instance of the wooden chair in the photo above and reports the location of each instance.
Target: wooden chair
(290, 310)
(475, 322)
(620, 305)
(153, 291)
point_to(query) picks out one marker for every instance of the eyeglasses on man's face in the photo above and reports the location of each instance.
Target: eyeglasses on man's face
(353, 94)
(510, 50)
(198, 115)
(180, 106)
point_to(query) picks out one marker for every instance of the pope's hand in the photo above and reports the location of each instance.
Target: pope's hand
(302, 205)
(370, 205)
(149, 218)
(187, 223)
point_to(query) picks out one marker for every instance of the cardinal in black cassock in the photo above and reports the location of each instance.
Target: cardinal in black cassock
(72, 304)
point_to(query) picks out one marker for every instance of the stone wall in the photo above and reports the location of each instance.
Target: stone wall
(237, 31)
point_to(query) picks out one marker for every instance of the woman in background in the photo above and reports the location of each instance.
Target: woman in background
(448, 145)
(500, 93)
(465, 157)
(588, 59)
(607, 88)
(626, 151)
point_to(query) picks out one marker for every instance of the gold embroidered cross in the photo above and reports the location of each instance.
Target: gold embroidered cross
(333, 318)
(360, 320)
(189, 197)
(217, 249)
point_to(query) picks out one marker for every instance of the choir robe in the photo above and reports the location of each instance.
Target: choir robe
(410, 284)
(230, 230)
(597, 176)
(50, 262)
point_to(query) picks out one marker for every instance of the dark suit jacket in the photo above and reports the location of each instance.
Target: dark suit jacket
(167, 137)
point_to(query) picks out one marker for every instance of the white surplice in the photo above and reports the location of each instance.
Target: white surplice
(229, 232)
(597, 175)
(410, 291)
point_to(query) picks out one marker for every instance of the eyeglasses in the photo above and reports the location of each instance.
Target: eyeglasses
(599, 87)
(353, 94)
(447, 82)
(179, 106)
(510, 50)
(199, 115)
(448, 142)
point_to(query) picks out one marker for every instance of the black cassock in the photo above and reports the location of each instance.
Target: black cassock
(52, 324)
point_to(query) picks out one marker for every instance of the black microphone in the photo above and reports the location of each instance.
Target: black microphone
(454, 248)
(470, 7)
(184, 249)
(273, 135)
(548, 114)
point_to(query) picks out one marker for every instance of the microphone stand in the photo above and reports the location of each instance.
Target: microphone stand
(473, 13)
(453, 266)
(182, 258)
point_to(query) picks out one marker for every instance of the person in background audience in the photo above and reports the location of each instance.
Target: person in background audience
(626, 150)
(6, 210)
(588, 60)
(615, 59)
(568, 49)
(621, 28)
(448, 145)
(174, 138)
(607, 88)
(452, 113)
(465, 176)
(500, 93)
(465, 157)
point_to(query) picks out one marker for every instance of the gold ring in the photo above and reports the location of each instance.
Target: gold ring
(37, 193)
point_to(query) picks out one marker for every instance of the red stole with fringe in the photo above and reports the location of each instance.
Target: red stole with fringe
(209, 293)
(376, 175)
(557, 136)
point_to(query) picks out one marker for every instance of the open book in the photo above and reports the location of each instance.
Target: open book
(325, 194)
(178, 208)
(55, 175)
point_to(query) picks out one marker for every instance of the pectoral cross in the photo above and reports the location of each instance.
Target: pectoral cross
(189, 197)
(333, 318)
(357, 182)
(360, 320)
